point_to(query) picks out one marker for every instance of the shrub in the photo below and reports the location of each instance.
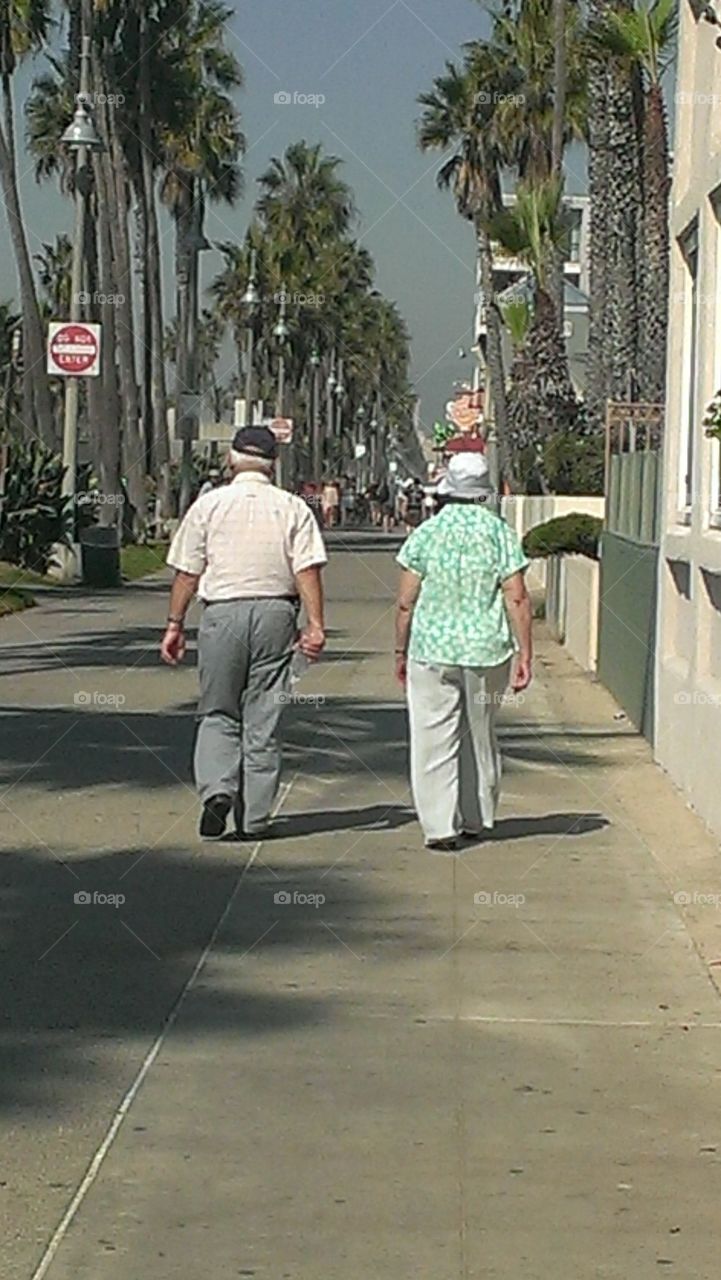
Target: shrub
(35, 515)
(574, 534)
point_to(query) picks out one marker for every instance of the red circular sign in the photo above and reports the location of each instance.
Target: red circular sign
(74, 348)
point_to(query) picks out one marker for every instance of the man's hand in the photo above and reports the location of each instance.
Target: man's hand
(522, 674)
(312, 641)
(401, 669)
(172, 648)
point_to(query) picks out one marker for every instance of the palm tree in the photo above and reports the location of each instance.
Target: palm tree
(642, 41)
(542, 401)
(201, 146)
(23, 30)
(532, 44)
(54, 276)
(459, 114)
(616, 197)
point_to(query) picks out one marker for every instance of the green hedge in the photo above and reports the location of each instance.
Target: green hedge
(574, 534)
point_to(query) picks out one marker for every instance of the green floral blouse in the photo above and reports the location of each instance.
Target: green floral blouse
(463, 556)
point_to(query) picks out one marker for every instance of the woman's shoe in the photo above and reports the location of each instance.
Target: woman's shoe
(450, 845)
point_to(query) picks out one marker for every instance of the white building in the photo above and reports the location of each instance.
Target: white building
(509, 273)
(688, 646)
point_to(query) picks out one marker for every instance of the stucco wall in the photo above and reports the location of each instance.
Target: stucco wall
(688, 666)
(572, 594)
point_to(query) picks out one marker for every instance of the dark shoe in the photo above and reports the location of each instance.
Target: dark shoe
(257, 833)
(214, 816)
(443, 846)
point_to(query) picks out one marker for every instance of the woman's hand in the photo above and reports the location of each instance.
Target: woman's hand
(522, 674)
(401, 669)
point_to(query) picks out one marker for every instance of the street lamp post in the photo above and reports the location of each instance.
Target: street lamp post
(250, 299)
(280, 334)
(81, 138)
(316, 452)
(330, 388)
(360, 441)
(339, 393)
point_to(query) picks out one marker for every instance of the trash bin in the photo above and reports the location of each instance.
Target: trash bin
(100, 556)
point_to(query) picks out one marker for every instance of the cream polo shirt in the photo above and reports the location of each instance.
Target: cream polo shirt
(247, 538)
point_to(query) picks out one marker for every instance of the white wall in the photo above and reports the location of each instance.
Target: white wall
(525, 511)
(572, 598)
(688, 650)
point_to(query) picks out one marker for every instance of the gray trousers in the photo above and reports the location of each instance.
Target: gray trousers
(455, 761)
(245, 649)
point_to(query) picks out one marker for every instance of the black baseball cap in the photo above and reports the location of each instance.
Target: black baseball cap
(259, 442)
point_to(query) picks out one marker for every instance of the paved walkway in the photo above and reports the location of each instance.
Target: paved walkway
(500, 1065)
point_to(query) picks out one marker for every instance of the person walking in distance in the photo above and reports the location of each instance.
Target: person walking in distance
(255, 554)
(461, 603)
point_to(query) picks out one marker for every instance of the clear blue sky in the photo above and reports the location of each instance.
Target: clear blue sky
(370, 61)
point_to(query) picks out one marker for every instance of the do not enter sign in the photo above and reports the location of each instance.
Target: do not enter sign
(74, 350)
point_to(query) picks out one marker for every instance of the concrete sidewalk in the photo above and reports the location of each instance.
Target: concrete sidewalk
(495, 1065)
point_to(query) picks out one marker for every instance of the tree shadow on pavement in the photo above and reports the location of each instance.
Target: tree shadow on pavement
(133, 647)
(84, 980)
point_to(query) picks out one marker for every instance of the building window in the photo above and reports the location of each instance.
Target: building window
(688, 244)
(574, 245)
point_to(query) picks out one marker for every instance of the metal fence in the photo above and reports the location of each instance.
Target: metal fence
(629, 559)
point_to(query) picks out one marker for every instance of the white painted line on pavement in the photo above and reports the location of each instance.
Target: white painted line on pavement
(96, 1163)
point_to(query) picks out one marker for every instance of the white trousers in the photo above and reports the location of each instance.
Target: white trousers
(455, 761)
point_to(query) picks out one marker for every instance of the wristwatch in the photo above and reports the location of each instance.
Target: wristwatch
(178, 622)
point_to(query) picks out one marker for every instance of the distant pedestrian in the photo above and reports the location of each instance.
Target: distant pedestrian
(330, 503)
(386, 505)
(413, 505)
(213, 481)
(254, 553)
(461, 601)
(347, 502)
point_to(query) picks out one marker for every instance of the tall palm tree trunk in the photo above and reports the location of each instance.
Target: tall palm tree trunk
(597, 378)
(560, 76)
(494, 356)
(656, 264)
(37, 413)
(624, 206)
(156, 392)
(133, 442)
(106, 386)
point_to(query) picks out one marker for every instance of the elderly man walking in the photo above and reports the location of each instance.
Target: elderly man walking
(462, 599)
(255, 554)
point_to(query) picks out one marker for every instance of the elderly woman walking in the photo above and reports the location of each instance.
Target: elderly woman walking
(463, 611)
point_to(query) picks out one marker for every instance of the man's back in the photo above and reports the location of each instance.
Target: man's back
(247, 539)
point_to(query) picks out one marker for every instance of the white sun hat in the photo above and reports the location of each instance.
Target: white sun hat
(467, 476)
